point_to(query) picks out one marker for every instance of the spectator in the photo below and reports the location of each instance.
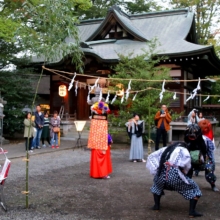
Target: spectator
(135, 130)
(162, 119)
(39, 123)
(28, 131)
(46, 130)
(201, 116)
(55, 129)
(193, 117)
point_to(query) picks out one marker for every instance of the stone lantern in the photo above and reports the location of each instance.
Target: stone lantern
(2, 103)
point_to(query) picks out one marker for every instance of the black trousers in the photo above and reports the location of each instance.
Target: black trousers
(47, 139)
(28, 147)
(160, 132)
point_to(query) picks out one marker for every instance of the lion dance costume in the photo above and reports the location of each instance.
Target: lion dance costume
(99, 142)
(200, 141)
(169, 165)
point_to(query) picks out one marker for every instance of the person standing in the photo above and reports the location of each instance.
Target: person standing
(39, 123)
(55, 129)
(163, 119)
(28, 131)
(201, 116)
(46, 130)
(193, 117)
(99, 142)
(135, 130)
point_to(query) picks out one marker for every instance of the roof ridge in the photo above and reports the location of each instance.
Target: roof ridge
(132, 16)
(164, 12)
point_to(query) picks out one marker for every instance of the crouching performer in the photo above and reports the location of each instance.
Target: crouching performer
(170, 166)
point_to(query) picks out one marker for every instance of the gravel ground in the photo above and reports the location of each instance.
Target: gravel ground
(60, 188)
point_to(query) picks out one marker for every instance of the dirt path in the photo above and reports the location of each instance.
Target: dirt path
(62, 189)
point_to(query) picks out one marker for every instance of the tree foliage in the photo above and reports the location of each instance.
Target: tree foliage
(206, 14)
(16, 88)
(100, 8)
(141, 6)
(37, 28)
(147, 101)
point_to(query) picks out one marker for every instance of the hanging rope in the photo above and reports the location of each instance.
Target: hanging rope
(131, 91)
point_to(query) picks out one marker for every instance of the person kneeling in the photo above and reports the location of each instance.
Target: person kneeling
(169, 165)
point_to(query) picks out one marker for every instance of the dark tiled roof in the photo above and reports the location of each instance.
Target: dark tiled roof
(170, 28)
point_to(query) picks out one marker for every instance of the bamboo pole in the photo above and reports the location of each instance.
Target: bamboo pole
(149, 131)
(27, 153)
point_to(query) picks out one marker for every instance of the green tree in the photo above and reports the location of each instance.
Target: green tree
(16, 88)
(141, 6)
(44, 27)
(147, 101)
(38, 27)
(206, 14)
(100, 8)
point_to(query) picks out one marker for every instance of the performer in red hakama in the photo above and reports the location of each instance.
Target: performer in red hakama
(100, 165)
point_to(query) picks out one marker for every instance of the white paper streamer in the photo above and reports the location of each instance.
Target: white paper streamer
(189, 98)
(113, 100)
(134, 96)
(198, 85)
(76, 87)
(100, 95)
(88, 98)
(206, 98)
(128, 89)
(161, 96)
(174, 96)
(122, 98)
(162, 91)
(107, 98)
(96, 82)
(194, 92)
(71, 83)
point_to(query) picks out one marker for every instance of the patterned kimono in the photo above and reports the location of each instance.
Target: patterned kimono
(172, 174)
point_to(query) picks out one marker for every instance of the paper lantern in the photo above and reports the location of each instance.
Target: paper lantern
(62, 90)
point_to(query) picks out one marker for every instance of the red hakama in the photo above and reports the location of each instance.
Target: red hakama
(100, 165)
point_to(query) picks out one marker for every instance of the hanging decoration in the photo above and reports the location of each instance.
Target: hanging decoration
(162, 91)
(206, 99)
(100, 95)
(196, 89)
(76, 87)
(107, 98)
(88, 96)
(72, 81)
(95, 85)
(113, 100)
(134, 96)
(190, 97)
(122, 98)
(128, 89)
